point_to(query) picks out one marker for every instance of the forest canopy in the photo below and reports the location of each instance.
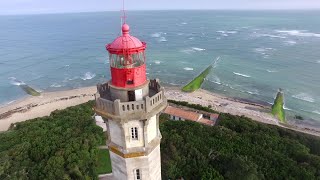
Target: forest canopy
(61, 146)
(65, 146)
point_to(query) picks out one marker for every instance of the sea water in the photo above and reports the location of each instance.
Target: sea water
(260, 52)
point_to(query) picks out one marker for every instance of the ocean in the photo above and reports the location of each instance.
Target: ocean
(260, 52)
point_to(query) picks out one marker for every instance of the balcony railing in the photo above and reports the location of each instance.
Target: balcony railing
(118, 108)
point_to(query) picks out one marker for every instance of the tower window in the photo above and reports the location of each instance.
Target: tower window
(134, 133)
(137, 174)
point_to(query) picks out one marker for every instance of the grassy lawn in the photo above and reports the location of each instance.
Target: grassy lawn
(197, 81)
(104, 163)
(277, 108)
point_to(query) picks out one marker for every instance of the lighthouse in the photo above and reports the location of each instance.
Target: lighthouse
(130, 105)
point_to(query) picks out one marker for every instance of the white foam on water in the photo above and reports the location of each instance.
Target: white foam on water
(192, 50)
(316, 112)
(88, 75)
(231, 32)
(191, 38)
(184, 23)
(216, 80)
(268, 35)
(299, 33)
(15, 81)
(56, 85)
(286, 108)
(187, 51)
(157, 62)
(156, 35)
(243, 75)
(271, 70)
(198, 49)
(11, 102)
(318, 61)
(304, 97)
(188, 69)
(290, 42)
(256, 92)
(162, 39)
(180, 34)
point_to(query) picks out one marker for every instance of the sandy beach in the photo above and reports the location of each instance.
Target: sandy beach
(40, 106)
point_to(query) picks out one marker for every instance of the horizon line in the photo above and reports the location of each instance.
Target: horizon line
(100, 11)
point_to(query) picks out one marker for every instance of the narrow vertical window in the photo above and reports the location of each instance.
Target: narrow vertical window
(134, 133)
(137, 174)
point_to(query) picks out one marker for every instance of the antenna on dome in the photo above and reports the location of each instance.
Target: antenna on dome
(123, 17)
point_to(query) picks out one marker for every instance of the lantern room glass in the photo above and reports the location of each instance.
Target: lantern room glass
(127, 61)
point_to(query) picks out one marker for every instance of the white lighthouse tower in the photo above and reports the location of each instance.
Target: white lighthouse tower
(130, 105)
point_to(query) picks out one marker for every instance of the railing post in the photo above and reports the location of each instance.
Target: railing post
(116, 106)
(147, 103)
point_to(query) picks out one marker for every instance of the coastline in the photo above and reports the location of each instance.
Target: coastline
(39, 106)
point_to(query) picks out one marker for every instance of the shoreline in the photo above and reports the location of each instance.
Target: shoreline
(39, 106)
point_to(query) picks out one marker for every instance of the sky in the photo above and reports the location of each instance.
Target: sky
(62, 6)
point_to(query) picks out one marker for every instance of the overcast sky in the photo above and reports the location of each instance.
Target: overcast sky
(59, 6)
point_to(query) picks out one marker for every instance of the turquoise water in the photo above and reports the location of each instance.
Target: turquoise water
(260, 51)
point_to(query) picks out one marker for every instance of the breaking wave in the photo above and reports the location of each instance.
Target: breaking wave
(198, 49)
(286, 108)
(15, 81)
(304, 97)
(192, 50)
(243, 75)
(156, 35)
(227, 32)
(159, 36)
(216, 80)
(268, 35)
(256, 92)
(88, 75)
(271, 71)
(157, 62)
(162, 39)
(56, 85)
(316, 112)
(290, 42)
(188, 69)
(299, 33)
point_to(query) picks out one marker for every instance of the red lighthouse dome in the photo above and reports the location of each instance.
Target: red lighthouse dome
(127, 60)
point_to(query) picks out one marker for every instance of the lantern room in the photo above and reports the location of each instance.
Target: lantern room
(127, 60)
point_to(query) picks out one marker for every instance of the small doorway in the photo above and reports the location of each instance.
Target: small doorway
(131, 96)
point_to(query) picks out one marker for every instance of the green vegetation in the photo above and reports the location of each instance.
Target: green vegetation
(61, 146)
(29, 90)
(238, 148)
(194, 106)
(196, 83)
(277, 107)
(65, 146)
(104, 163)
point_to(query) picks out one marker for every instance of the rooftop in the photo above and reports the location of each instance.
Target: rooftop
(192, 116)
(189, 115)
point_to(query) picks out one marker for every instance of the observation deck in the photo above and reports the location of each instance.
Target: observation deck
(151, 104)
